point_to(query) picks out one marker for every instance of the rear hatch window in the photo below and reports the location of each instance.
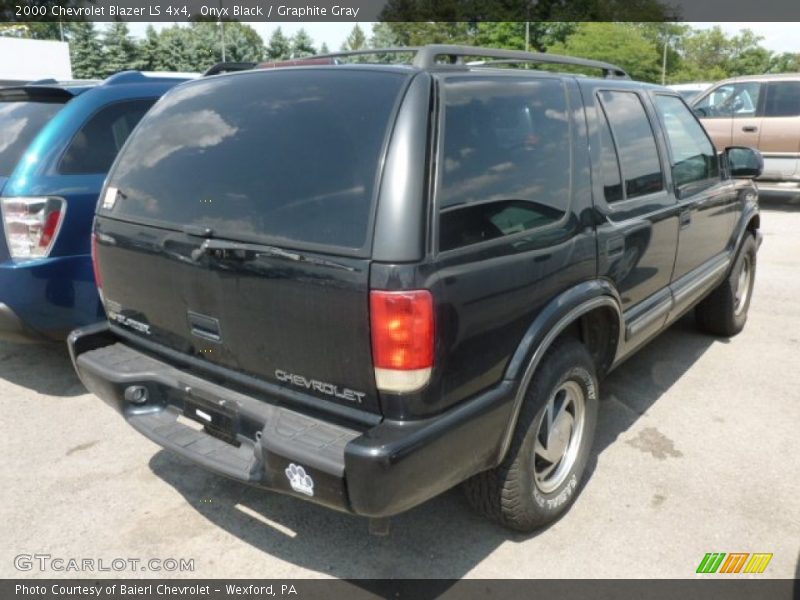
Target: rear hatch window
(283, 157)
(20, 121)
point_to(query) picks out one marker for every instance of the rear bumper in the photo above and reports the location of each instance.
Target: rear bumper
(375, 472)
(47, 298)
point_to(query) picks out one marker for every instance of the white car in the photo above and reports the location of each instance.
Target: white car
(689, 91)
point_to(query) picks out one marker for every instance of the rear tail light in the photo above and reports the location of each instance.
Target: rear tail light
(31, 225)
(402, 339)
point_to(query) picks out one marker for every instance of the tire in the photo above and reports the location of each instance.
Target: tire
(724, 311)
(519, 493)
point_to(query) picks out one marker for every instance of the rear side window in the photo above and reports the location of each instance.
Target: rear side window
(290, 156)
(19, 124)
(694, 159)
(635, 143)
(783, 99)
(506, 159)
(96, 145)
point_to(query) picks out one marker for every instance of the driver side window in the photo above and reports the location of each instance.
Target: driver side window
(735, 100)
(693, 158)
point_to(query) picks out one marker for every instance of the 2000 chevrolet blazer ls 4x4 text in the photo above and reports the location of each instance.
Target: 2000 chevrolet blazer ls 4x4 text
(370, 283)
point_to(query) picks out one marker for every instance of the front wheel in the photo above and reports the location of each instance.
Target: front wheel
(541, 473)
(724, 310)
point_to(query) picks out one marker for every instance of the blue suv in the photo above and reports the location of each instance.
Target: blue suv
(57, 142)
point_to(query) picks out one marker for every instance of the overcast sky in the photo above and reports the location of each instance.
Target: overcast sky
(778, 37)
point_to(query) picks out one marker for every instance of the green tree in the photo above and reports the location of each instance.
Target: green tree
(149, 49)
(86, 52)
(176, 50)
(204, 44)
(786, 62)
(421, 33)
(120, 53)
(748, 57)
(279, 46)
(709, 54)
(324, 49)
(242, 43)
(619, 43)
(512, 35)
(666, 37)
(383, 36)
(302, 44)
(356, 40)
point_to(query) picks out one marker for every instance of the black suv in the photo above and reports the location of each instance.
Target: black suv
(364, 284)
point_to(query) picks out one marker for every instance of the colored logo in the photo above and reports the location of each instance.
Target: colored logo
(735, 562)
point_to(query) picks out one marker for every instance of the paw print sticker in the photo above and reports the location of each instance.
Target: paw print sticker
(300, 481)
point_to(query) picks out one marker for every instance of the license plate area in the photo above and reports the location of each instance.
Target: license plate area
(218, 420)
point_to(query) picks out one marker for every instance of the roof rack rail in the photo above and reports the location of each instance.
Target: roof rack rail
(297, 62)
(228, 67)
(427, 57)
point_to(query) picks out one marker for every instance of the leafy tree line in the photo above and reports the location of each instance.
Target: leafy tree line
(98, 53)
(691, 54)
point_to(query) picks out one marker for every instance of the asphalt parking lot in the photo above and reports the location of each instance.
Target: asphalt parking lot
(697, 451)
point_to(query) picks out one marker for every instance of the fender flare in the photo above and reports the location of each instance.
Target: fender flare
(556, 316)
(749, 213)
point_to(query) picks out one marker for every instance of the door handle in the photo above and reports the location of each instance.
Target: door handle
(750, 128)
(685, 219)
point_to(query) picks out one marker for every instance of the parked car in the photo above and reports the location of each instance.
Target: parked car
(761, 111)
(57, 142)
(363, 284)
(690, 91)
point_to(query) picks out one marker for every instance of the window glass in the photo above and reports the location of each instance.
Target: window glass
(635, 143)
(783, 99)
(609, 161)
(693, 156)
(506, 161)
(289, 153)
(730, 100)
(19, 124)
(96, 145)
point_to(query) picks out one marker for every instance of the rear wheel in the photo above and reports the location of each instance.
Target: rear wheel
(540, 475)
(724, 310)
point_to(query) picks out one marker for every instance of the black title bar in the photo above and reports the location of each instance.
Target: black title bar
(399, 10)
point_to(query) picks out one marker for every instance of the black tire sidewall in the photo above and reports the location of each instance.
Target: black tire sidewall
(748, 249)
(570, 363)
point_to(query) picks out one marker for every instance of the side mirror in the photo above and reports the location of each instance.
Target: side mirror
(700, 112)
(744, 162)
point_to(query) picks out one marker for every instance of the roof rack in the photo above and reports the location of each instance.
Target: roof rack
(228, 67)
(430, 56)
(297, 62)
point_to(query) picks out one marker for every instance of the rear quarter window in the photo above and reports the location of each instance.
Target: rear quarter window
(19, 124)
(287, 156)
(98, 141)
(783, 99)
(506, 158)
